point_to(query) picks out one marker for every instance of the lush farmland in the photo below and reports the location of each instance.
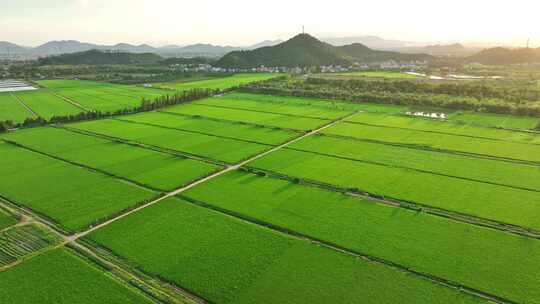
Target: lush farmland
(230, 261)
(496, 120)
(12, 109)
(235, 130)
(441, 127)
(285, 233)
(59, 276)
(146, 167)
(520, 151)
(246, 116)
(507, 205)
(318, 103)
(218, 83)
(71, 196)
(449, 164)
(285, 108)
(47, 105)
(19, 242)
(361, 225)
(104, 97)
(6, 219)
(214, 147)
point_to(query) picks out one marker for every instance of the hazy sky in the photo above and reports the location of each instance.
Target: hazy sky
(243, 22)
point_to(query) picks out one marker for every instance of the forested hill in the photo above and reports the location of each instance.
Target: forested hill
(101, 57)
(361, 53)
(504, 56)
(304, 51)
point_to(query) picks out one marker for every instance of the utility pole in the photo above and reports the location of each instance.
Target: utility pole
(528, 41)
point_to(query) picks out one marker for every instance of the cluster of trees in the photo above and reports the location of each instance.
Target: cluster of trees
(513, 91)
(452, 96)
(146, 105)
(98, 57)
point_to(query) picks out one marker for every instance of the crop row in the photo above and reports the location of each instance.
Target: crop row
(149, 168)
(495, 120)
(443, 127)
(12, 109)
(246, 116)
(20, 241)
(473, 256)
(6, 220)
(488, 201)
(246, 132)
(218, 83)
(487, 170)
(283, 107)
(60, 276)
(516, 151)
(47, 105)
(226, 260)
(71, 196)
(213, 147)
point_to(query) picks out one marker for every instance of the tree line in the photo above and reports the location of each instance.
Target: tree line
(409, 93)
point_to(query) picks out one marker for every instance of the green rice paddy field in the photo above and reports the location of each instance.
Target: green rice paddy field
(12, 109)
(98, 96)
(518, 151)
(496, 120)
(449, 164)
(247, 116)
(277, 108)
(442, 127)
(225, 260)
(234, 130)
(71, 196)
(506, 204)
(218, 83)
(214, 147)
(6, 220)
(46, 104)
(60, 276)
(361, 226)
(154, 169)
(241, 237)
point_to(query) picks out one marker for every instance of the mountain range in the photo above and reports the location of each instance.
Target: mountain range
(73, 46)
(505, 56)
(304, 50)
(209, 50)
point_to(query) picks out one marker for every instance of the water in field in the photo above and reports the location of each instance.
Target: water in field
(428, 115)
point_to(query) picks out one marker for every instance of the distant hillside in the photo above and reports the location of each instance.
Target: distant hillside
(505, 56)
(454, 50)
(361, 53)
(188, 61)
(73, 46)
(10, 48)
(101, 57)
(304, 50)
(372, 42)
